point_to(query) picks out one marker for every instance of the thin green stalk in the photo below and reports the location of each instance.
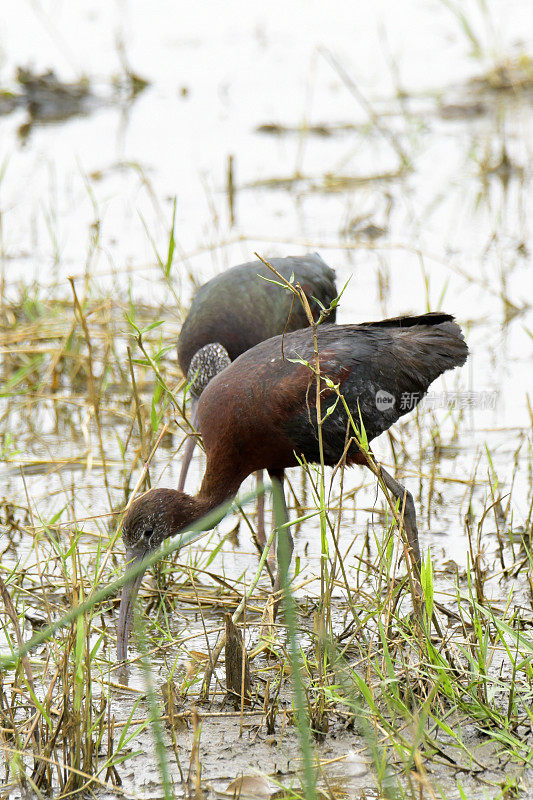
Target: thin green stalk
(300, 704)
(199, 529)
(155, 714)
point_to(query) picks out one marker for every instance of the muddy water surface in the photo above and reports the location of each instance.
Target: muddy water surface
(375, 133)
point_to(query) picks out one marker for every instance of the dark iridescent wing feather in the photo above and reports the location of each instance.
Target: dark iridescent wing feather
(238, 309)
(383, 371)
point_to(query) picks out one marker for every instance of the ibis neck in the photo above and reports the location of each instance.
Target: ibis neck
(218, 486)
(184, 510)
(194, 508)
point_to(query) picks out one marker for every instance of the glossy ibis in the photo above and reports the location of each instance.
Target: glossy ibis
(258, 414)
(235, 311)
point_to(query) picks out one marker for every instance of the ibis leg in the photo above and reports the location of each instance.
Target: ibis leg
(284, 559)
(409, 521)
(190, 444)
(261, 536)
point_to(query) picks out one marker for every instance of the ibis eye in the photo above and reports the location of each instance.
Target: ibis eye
(147, 534)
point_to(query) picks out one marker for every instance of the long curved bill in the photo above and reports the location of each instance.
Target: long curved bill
(127, 604)
(131, 588)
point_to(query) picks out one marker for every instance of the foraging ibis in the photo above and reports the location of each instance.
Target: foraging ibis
(238, 309)
(259, 413)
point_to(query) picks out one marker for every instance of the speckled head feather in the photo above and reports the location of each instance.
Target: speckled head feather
(153, 517)
(206, 363)
(150, 519)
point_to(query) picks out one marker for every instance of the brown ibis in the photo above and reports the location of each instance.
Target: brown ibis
(259, 413)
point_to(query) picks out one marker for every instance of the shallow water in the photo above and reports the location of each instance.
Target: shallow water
(453, 231)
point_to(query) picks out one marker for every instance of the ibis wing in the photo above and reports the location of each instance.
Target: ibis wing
(238, 309)
(381, 373)
(263, 406)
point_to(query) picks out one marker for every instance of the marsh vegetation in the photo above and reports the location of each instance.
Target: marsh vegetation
(417, 184)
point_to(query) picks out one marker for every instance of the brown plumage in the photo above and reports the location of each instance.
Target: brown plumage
(239, 308)
(259, 413)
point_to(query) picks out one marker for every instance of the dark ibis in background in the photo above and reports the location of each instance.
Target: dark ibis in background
(235, 311)
(258, 414)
